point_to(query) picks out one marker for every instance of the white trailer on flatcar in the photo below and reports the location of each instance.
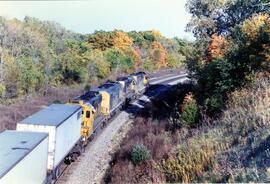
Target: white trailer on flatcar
(63, 124)
(23, 157)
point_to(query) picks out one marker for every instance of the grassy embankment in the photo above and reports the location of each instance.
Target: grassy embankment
(231, 148)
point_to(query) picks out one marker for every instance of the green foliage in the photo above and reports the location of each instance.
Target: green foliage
(119, 61)
(29, 77)
(70, 69)
(140, 154)
(213, 104)
(190, 111)
(148, 65)
(176, 60)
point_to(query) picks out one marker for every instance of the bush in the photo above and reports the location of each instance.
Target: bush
(190, 111)
(213, 104)
(140, 154)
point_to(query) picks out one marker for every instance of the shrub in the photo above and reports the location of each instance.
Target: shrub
(140, 154)
(213, 104)
(190, 111)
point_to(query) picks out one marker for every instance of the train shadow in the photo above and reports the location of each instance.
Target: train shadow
(159, 100)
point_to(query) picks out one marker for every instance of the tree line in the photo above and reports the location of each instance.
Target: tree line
(36, 55)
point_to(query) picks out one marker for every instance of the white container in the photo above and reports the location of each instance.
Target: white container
(62, 123)
(23, 157)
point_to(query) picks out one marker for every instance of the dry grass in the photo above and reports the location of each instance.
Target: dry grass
(11, 114)
(156, 139)
(234, 148)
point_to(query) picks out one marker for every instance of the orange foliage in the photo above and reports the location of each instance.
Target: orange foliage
(160, 55)
(137, 58)
(217, 47)
(122, 40)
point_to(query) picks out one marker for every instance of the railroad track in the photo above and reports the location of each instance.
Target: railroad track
(90, 167)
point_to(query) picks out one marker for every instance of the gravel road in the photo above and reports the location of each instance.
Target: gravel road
(91, 166)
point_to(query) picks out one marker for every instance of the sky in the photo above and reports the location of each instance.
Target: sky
(86, 16)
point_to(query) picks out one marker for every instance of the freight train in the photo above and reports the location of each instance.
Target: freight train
(57, 134)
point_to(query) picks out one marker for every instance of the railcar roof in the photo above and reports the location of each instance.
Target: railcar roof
(53, 115)
(14, 146)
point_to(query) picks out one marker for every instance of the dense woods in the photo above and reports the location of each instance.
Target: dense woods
(37, 55)
(218, 130)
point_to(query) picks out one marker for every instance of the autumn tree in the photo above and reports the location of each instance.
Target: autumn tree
(217, 47)
(159, 55)
(122, 40)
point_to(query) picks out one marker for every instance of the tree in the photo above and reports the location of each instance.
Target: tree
(176, 60)
(101, 65)
(29, 77)
(159, 55)
(122, 40)
(101, 40)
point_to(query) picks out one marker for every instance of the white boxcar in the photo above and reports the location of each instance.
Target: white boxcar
(62, 122)
(23, 157)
